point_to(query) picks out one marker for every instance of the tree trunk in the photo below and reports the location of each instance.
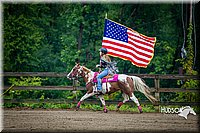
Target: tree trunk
(80, 36)
(190, 13)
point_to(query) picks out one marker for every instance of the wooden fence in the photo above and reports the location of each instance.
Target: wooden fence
(156, 89)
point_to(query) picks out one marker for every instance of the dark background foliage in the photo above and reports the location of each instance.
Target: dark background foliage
(49, 37)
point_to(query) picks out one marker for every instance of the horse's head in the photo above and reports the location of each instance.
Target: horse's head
(192, 111)
(75, 72)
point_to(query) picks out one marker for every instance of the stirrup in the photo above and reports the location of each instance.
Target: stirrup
(99, 92)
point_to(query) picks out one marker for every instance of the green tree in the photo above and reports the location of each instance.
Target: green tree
(21, 38)
(188, 63)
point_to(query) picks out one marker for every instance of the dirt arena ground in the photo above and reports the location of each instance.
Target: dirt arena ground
(95, 121)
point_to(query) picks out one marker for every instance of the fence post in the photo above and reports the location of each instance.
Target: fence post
(157, 95)
(75, 84)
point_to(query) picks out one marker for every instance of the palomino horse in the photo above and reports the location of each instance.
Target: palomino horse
(127, 84)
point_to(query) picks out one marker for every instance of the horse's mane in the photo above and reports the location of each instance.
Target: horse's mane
(86, 69)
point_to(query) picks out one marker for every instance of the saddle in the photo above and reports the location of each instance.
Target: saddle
(108, 78)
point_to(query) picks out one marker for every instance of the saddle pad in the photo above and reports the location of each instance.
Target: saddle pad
(114, 78)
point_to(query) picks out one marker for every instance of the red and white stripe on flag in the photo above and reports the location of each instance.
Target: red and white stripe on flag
(128, 44)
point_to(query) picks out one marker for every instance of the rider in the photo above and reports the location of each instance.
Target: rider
(104, 62)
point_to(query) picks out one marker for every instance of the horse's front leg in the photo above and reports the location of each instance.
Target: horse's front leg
(83, 98)
(103, 103)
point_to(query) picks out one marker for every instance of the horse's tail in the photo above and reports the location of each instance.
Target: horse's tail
(139, 85)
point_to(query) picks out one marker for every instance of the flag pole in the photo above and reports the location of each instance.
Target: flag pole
(106, 16)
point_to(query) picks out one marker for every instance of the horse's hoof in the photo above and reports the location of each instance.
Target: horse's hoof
(105, 111)
(78, 105)
(120, 104)
(140, 109)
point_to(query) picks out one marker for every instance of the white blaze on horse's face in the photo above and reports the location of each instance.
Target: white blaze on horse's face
(70, 73)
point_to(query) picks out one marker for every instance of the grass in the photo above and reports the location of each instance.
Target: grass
(94, 107)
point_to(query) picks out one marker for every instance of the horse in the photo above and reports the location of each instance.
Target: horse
(127, 84)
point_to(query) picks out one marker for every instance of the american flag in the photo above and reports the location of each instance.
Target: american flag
(127, 44)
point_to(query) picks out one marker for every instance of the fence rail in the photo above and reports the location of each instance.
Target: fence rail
(64, 74)
(69, 88)
(156, 89)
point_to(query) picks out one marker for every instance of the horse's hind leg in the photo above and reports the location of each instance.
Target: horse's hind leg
(135, 100)
(126, 98)
(131, 94)
(127, 88)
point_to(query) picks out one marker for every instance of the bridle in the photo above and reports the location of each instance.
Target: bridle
(75, 75)
(78, 72)
(81, 71)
